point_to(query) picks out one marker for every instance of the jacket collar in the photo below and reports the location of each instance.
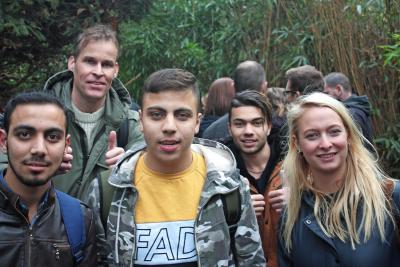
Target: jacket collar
(117, 102)
(220, 162)
(46, 200)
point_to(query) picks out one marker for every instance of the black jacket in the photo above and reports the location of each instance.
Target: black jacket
(44, 242)
(360, 110)
(312, 248)
(218, 131)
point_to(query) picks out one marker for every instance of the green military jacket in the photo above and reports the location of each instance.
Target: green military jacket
(87, 164)
(212, 239)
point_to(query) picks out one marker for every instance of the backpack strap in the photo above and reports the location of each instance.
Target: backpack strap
(232, 204)
(74, 223)
(123, 133)
(106, 194)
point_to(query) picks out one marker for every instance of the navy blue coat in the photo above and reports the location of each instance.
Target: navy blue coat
(360, 110)
(312, 248)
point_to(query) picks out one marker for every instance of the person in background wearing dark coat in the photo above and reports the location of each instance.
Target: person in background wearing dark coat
(217, 103)
(342, 209)
(302, 80)
(338, 86)
(248, 75)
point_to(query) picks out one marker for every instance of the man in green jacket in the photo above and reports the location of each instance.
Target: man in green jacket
(97, 104)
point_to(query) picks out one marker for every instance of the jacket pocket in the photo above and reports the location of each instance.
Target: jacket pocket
(212, 233)
(57, 253)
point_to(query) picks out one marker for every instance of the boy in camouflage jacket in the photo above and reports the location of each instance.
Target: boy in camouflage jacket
(172, 107)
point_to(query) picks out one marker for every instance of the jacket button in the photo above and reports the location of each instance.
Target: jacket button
(308, 221)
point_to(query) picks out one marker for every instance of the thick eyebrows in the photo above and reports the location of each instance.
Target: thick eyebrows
(33, 129)
(186, 110)
(55, 130)
(24, 127)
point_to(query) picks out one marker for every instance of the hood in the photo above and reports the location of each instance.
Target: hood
(218, 158)
(359, 102)
(118, 99)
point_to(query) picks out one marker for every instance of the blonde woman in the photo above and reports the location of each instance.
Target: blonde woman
(342, 209)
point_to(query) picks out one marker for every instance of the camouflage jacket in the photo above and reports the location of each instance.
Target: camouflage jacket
(211, 230)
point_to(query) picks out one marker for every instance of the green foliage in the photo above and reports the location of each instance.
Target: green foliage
(389, 144)
(36, 35)
(208, 38)
(392, 53)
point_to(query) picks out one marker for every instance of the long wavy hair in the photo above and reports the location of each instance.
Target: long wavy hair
(361, 191)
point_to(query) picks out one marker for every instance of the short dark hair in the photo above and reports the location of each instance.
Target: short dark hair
(335, 78)
(305, 79)
(220, 95)
(33, 97)
(97, 32)
(249, 75)
(254, 99)
(171, 80)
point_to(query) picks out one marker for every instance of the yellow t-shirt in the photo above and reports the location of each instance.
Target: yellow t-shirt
(165, 212)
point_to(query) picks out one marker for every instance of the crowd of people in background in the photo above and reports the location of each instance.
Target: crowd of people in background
(244, 176)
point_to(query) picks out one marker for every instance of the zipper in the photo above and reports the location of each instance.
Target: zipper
(85, 153)
(197, 218)
(30, 245)
(135, 197)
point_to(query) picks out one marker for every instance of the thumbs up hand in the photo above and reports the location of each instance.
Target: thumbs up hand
(114, 153)
(66, 164)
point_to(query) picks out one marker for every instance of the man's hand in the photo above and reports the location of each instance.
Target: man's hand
(114, 153)
(66, 164)
(278, 198)
(258, 204)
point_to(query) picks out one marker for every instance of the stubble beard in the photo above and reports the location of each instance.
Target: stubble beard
(28, 181)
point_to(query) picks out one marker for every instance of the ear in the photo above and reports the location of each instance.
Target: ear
(339, 91)
(3, 140)
(68, 140)
(71, 63)
(140, 120)
(229, 128)
(269, 127)
(116, 68)
(67, 144)
(198, 120)
(264, 88)
(295, 142)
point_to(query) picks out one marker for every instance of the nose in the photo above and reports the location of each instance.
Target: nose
(248, 129)
(169, 125)
(39, 147)
(325, 142)
(98, 69)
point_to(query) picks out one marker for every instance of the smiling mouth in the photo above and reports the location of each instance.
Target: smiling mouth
(37, 167)
(327, 155)
(96, 83)
(248, 142)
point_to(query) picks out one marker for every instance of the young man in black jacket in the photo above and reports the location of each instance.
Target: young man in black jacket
(33, 228)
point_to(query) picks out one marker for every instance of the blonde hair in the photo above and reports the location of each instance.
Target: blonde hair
(362, 186)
